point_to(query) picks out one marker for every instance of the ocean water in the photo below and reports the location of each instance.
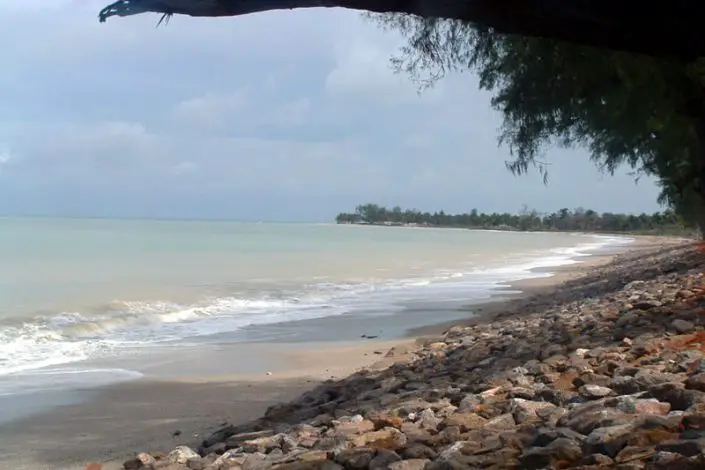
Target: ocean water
(75, 291)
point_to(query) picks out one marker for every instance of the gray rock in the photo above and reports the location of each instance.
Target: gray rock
(696, 382)
(682, 326)
(542, 457)
(545, 436)
(417, 450)
(197, 464)
(502, 422)
(687, 447)
(355, 459)
(595, 391)
(383, 459)
(681, 399)
(468, 403)
(181, 455)
(647, 304)
(524, 410)
(608, 440)
(640, 382)
(428, 419)
(411, 464)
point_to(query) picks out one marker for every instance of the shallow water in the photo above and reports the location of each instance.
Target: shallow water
(73, 292)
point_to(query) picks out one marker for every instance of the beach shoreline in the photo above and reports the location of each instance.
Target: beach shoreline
(119, 419)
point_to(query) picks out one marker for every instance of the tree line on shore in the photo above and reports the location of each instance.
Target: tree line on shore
(586, 220)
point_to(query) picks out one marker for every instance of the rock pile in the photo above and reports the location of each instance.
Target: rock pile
(609, 374)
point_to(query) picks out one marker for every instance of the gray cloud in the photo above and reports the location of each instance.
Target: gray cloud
(283, 115)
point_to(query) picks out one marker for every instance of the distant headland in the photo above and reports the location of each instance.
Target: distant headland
(563, 220)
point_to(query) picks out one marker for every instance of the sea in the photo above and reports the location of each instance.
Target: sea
(76, 293)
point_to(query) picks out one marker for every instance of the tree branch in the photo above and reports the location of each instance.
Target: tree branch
(659, 28)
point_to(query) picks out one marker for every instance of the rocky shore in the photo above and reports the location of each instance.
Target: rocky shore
(606, 372)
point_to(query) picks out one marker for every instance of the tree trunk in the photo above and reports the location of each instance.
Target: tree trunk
(656, 29)
(700, 169)
(701, 227)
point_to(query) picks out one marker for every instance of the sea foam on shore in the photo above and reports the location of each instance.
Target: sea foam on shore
(33, 349)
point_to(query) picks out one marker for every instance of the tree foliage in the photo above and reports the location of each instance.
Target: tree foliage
(624, 108)
(666, 222)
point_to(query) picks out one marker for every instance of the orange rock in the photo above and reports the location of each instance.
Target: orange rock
(564, 381)
(387, 438)
(93, 466)
(383, 420)
(694, 341)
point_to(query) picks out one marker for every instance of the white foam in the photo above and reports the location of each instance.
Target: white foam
(73, 336)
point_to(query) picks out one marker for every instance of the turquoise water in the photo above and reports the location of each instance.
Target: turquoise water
(73, 290)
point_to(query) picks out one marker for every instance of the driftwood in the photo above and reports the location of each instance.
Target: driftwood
(664, 28)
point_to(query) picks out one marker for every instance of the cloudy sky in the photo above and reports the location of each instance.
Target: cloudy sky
(275, 116)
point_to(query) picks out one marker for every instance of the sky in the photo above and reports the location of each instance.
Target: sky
(292, 115)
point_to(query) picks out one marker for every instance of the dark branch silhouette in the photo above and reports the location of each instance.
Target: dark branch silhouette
(658, 28)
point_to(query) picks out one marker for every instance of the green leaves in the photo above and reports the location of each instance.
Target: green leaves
(625, 109)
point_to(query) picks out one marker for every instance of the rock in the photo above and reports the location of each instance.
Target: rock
(642, 381)
(132, 464)
(235, 440)
(469, 403)
(594, 391)
(650, 437)
(561, 449)
(545, 436)
(696, 382)
(263, 444)
(197, 464)
(521, 392)
(608, 440)
(668, 461)
(695, 421)
(142, 459)
(687, 447)
(681, 399)
(502, 422)
(651, 407)
(465, 421)
(414, 433)
(387, 438)
(355, 459)
(598, 460)
(523, 410)
(418, 451)
(586, 418)
(383, 459)
(647, 304)
(428, 419)
(181, 455)
(631, 453)
(682, 326)
(411, 464)
(382, 420)
(350, 427)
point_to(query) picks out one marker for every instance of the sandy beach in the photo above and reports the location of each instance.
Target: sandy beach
(187, 398)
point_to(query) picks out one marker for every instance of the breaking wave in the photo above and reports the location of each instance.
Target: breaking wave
(66, 337)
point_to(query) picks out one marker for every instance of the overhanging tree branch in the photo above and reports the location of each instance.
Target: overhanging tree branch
(660, 28)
